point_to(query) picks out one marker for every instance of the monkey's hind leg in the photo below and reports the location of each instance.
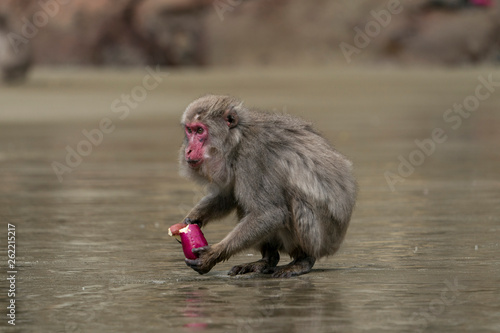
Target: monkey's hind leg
(298, 266)
(266, 265)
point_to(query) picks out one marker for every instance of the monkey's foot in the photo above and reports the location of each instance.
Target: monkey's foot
(261, 266)
(295, 268)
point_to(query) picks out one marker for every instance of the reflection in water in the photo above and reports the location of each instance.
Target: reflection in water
(194, 310)
(260, 304)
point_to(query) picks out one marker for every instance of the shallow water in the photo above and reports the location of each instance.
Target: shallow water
(93, 254)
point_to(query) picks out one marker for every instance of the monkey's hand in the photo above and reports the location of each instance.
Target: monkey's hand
(207, 258)
(187, 220)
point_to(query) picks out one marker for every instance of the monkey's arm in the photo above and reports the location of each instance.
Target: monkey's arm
(251, 230)
(214, 205)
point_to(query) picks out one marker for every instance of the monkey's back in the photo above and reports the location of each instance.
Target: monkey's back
(290, 162)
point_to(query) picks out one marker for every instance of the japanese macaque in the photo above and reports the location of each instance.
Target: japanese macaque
(15, 57)
(292, 191)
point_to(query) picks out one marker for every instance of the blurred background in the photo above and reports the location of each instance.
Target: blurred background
(91, 95)
(206, 33)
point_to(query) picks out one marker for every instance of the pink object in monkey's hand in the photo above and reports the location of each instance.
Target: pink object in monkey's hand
(191, 238)
(173, 231)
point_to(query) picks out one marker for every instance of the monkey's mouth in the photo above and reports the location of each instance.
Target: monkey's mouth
(194, 163)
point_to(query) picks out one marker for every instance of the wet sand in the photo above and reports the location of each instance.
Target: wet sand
(92, 250)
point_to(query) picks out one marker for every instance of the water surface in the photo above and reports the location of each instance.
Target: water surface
(93, 254)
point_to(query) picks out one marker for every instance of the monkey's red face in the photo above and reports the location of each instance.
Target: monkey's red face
(197, 135)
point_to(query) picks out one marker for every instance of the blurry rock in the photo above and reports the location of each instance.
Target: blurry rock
(457, 4)
(452, 39)
(441, 36)
(164, 32)
(175, 28)
(15, 57)
(280, 32)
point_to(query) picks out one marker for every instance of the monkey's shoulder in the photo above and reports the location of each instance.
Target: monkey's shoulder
(272, 126)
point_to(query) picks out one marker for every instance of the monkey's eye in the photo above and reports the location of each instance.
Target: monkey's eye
(188, 129)
(199, 130)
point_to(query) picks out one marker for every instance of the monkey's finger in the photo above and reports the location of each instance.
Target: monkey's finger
(192, 262)
(200, 250)
(195, 265)
(187, 220)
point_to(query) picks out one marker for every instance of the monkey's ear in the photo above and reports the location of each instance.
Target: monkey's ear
(231, 118)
